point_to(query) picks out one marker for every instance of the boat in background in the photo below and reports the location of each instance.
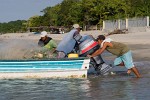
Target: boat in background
(49, 68)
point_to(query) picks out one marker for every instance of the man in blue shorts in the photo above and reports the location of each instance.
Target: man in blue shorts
(123, 53)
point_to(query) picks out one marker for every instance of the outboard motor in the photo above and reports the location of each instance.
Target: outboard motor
(88, 46)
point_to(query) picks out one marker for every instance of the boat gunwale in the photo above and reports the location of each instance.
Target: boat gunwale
(49, 59)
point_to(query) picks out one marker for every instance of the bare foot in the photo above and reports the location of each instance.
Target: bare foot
(129, 71)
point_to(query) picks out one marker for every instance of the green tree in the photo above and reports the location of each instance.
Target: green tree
(34, 21)
(68, 9)
(50, 16)
(12, 26)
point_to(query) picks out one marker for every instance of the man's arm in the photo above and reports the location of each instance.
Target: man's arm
(53, 50)
(77, 36)
(100, 50)
(54, 45)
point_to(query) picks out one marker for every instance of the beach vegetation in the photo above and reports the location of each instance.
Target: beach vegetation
(83, 12)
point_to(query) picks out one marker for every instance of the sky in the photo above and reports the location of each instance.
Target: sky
(12, 10)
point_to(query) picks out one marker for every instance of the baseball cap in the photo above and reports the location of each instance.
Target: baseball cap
(43, 33)
(76, 26)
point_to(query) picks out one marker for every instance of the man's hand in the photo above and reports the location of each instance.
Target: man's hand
(89, 56)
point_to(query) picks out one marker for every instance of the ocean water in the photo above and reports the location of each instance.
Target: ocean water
(110, 87)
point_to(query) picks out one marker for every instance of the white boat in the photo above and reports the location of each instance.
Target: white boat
(49, 68)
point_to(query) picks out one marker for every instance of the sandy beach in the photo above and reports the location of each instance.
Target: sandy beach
(22, 45)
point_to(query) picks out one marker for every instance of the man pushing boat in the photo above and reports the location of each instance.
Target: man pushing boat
(83, 45)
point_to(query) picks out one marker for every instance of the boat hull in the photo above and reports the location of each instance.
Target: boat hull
(76, 67)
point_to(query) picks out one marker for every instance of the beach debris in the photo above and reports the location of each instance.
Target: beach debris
(118, 31)
(41, 54)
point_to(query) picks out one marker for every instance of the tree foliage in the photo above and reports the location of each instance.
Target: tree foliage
(13, 26)
(84, 12)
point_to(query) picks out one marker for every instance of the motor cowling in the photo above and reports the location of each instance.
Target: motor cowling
(88, 46)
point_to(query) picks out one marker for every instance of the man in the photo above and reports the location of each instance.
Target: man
(47, 42)
(123, 53)
(69, 41)
(72, 40)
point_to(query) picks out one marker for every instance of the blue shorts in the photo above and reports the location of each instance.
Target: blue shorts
(126, 59)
